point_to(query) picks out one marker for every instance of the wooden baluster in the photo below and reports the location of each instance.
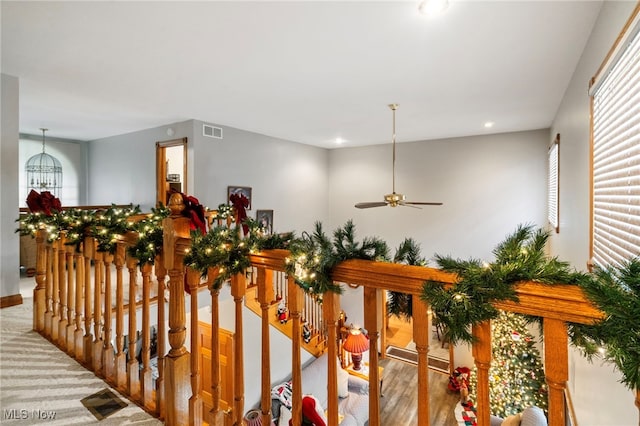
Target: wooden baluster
(372, 322)
(421, 338)
(108, 355)
(98, 342)
(265, 297)
(133, 373)
(78, 332)
(238, 290)
(40, 292)
(195, 402)
(296, 303)
(55, 302)
(216, 416)
(62, 281)
(161, 274)
(481, 351)
(638, 400)
(556, 356)
(331, 310)
(48, 315)
(87, 343)
(121, 358)
(147, 374)
(175, 243)
(383, 328)
(71, 302)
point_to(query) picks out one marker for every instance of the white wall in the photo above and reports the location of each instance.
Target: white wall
(594, 407)
(9, 240)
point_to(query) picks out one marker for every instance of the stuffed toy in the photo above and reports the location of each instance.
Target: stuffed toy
(282, 312)
(306, 332)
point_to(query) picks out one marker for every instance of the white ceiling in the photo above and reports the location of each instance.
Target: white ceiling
(299, 70)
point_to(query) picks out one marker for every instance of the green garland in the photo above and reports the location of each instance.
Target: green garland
(401, 304)
(520, 257)
(616, 338)
(150, 236)
(223, 248)
(313, 257)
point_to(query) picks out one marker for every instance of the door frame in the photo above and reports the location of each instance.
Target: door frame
(161, 167)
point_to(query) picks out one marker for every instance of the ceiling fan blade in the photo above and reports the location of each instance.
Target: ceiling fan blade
(422, 203)
(371, 204)
(404, 204)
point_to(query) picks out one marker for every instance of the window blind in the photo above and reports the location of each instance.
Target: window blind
(616, 159)
(553, 196)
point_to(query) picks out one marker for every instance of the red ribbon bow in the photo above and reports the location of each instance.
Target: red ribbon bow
(241, 203)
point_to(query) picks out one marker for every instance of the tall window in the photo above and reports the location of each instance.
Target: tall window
(615, 129)
(554, 184)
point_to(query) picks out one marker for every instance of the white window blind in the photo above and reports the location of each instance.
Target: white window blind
(616, 158)
(553, 207)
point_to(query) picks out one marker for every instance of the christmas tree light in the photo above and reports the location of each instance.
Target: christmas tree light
(516, 375)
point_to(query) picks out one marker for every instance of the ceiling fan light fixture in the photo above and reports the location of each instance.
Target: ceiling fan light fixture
(432, 8)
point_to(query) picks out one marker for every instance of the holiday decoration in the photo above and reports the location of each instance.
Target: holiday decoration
(520, 257)
(313, 256)
(616, 338)
(306, 332)
(240, 204)
(282, 312)
(44, 202)
(401, 304)
(516, 375)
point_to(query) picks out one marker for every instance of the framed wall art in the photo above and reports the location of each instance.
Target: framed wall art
(265, 219)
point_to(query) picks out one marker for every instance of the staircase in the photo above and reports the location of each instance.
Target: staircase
(316, 342)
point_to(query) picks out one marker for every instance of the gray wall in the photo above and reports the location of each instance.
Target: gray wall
(122, 169)
(9, 253)
(593, 406)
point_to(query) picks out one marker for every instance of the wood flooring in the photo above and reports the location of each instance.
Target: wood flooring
(399, 405)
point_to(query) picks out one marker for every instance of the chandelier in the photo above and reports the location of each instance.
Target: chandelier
(44, 172)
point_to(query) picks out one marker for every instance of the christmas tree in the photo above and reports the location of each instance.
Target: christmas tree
(516, 375)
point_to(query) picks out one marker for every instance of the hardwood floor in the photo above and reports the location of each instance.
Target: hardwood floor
(399, 405)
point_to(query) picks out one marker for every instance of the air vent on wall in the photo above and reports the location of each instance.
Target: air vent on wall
(211, 131)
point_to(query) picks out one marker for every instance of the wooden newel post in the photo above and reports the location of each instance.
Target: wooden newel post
(296, 302)
(556, 355)
(331, 312)
(177, 388)
(39, 293)
(482, 356)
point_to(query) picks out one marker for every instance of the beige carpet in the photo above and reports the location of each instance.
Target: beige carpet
(39, 384)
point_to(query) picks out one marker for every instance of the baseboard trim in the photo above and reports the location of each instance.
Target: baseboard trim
(11, 300)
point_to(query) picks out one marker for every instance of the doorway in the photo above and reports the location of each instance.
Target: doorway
(171, 169)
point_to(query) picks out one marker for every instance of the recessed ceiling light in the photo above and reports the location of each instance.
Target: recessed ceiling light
(339, 141)
(488, 124)
(432, 7)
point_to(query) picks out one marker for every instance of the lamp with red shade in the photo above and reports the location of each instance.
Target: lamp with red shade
(356, 343)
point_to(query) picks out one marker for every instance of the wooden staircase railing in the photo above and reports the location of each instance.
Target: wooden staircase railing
(77, 313)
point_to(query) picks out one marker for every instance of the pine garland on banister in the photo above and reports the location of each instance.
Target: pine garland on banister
(520, 257)
(224, 248)
(401, 304)
(616, 338)
(313, 256)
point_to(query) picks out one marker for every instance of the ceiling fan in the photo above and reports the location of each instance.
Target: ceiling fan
(394, 199)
